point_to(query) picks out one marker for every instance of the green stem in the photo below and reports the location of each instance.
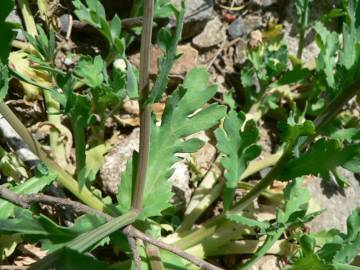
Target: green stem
(52, 107)
(303, 25)
(209, 192)
(54, 118)
(145, 110)
(80, 154)
(264, 183)
(261, 251)
(64, 178)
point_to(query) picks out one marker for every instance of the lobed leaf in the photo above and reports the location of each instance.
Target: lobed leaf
(168, 43)
(316, 160)
(184, 115)
(236, 141)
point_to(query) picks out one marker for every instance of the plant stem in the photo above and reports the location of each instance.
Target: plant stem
(264, 183)
(303, 25)
(153, 253)
(64, 178)
(208, 191)
(262, 250)
(52, 107)
(145, 111)
(54, 117)
(80, 154)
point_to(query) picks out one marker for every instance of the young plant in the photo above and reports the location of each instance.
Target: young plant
(141, 209)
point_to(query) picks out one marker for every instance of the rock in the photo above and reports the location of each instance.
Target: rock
(240, 53)
(204, 158)
(244, 26)
(115, 164)
(187, 61)
(267, 262)
(213, 34)
(198, 13)
(262, 3)
(180, 180)
(115, 161)
(338, 202)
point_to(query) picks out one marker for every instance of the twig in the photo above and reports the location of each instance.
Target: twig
(132, 244)
(217, 53)
(195, 260)
(25, 201)
(145, 110)
(129, 231)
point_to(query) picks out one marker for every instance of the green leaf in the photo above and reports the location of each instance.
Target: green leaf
(94, 14)
(311, 261)
(6, 33)
(348, 134)
(236, 141)
(296, 75)
(169, 138)
(316, 160)
(351, 247)
(295, 128)
(297, 198)
(132, 83)
(95, 159)
(169, 45)
(52, 235)
(328, 44)
(353, 165)
(91, 70)
(115, 27)
(32, 185)
(78, 109)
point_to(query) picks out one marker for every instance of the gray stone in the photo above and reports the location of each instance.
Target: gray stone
(180, 181)
(338, 202)
(244, 26)
(115, 161)
(262, 3)
(267, 262)
(213, 34)
(115, 164)
(198, 13)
